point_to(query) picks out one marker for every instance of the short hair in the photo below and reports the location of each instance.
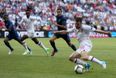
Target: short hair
(59, 8)
(78, 19)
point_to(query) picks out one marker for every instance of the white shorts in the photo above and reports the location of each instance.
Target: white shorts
(30, 34)
(85, 46)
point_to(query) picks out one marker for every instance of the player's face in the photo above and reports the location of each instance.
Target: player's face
(78, 24)
(59, 12)
(28, 13)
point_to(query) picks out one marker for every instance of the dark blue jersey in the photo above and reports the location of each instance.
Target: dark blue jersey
(12, 30)
(9, 25)
(61, 20)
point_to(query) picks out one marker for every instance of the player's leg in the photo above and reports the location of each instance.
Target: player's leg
(85, 48)
(24, 37)
(41, 45)
(86, 56)
(8, 44)
(53, 45)
(68, 41)
(27, 49)
(76, 58)
(22, 42)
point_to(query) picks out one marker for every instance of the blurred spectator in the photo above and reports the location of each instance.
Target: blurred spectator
(101, 12)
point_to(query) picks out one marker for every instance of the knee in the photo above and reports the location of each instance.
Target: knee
(84, 58)
(69, 44)
(71, 58)
(51, 41)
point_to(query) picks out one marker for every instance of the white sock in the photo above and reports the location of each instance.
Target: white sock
(79, 61)
(42, 45)
(91, 58)
(25, 45)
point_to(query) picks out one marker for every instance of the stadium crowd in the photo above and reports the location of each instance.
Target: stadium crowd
(99, 12)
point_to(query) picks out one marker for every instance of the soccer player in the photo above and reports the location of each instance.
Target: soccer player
(61, 25)
(12, 34)
(82, 53)
(30, 24)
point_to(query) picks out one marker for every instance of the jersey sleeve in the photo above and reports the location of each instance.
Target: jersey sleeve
(88, 28)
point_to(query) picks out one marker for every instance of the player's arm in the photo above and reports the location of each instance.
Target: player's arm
(65, 31)
(61, 32)
(103, 32)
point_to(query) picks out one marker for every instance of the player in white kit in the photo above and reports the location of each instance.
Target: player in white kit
(30, 23)
(82, 53)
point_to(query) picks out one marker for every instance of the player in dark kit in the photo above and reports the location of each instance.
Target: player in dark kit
(61, 25)
(12, 33)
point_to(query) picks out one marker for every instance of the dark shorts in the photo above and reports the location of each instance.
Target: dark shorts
(64, 36)
(13, 35)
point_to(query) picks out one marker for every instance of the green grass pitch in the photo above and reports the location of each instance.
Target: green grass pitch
(39, 65)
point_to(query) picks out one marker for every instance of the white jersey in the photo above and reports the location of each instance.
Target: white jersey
(83, 37)
(82, 33)
(30, 23)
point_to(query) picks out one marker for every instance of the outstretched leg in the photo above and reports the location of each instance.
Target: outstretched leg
(67, 39)
(85, 56)
(21, 41)
(40, 44)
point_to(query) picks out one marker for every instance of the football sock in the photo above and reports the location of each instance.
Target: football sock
(25, 46)
(53, 45)
(91, 58)
(42, 45)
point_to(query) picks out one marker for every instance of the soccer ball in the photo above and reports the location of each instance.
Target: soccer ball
(79, 69)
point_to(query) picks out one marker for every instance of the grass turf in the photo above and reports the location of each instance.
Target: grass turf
(39, 65)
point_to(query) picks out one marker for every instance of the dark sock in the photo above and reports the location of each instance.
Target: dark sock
(8, 45)
(73, 47)
(53, 45)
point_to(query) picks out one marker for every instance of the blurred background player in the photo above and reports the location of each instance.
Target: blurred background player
(61, 25)
(30, 23)
(12, 33)
(82, 53)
